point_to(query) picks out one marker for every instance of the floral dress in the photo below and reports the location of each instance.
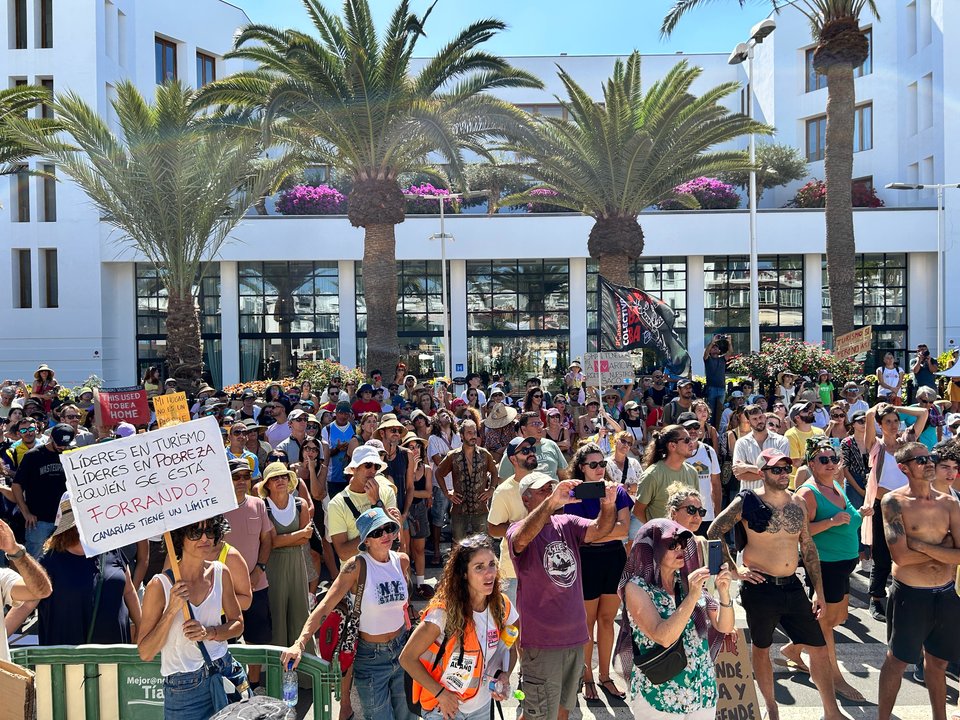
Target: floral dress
(694, 688)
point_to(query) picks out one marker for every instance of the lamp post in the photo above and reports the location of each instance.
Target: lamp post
(941, 282)
(744, 52)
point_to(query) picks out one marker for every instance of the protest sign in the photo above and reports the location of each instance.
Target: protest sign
(853, 343)
(609, 368)
(117, 405)
(140, 486)
(171, 409)
(736, 690)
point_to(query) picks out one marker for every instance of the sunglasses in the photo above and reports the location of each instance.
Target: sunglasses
(535, 423)
(536, 397)
(836, 416)
(828, 459)
(195, 533)
(383, 530)
(923, 459)
(594, 464)
(694, 510)
(239, 432)
(686, 440)
(626, 442)
(300, 419)
(24, 431)
(310, 448)
(674, 545)
(369, 465)
(71, 417)
(778, 470)
(524, 451)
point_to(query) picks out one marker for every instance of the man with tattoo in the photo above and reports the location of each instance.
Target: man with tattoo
(920, 524)
(770, 523)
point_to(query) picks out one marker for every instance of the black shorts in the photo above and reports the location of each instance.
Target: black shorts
(836, 579)
(601, 567)
(923, 618)
(768, 605)
(257, 624)
(316, 538)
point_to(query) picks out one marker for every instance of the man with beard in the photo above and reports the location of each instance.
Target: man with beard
(506, 506)
(802, 415)
(474, 477)
(771, 524)
(746, 452)
(680, 404)
(666, 463)
(550, 458)
(39, 484)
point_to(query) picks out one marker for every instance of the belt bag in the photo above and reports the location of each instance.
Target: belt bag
(662, 663)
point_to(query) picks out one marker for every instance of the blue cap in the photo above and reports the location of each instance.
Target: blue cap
(370, 521)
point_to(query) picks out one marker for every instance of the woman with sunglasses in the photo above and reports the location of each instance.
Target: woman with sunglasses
(533, 402)
(312, 471)
(854, 460)
(633, 422)
(933, 429)
(837, 429)
(566, 419)
(190, 692)
(286, 569)
(419, 515)
(383, 617)
(467, 618)
(601, 563)
(556, 431)
(473, 398)
(685, 507)
(835, 527)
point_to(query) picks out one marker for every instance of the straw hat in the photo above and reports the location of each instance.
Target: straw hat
(500, 416)
(412, 437)
(784, 373)
(276, 469)
(389, 421)
(43, 366)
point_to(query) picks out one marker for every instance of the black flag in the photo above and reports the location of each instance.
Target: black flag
(630, 318)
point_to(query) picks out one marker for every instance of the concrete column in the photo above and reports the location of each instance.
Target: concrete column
(230, 322)
(458, 318)
(812, 298)
(578, 308)
(922, 299)
(348, 312)
(695, 315)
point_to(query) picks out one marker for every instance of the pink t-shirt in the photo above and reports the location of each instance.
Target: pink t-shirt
(246, 524)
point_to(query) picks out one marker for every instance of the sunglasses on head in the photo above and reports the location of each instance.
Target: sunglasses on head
(694, 510)
(383, 530)
(828, 459)
(778, 470)
(196, 532)
(594, 464)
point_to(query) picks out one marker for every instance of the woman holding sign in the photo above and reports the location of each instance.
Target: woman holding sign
(193, 653)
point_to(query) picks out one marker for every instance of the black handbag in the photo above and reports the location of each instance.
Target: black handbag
(662, 663)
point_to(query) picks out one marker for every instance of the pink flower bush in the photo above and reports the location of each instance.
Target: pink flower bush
(312, 200)
(546, 206)
(814, 195)
(800, 358)
(712, 194)
(428, 205)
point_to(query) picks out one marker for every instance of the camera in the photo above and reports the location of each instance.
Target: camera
(722, 342)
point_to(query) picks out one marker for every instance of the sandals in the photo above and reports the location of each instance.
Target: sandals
(589, 686)
(607, 684)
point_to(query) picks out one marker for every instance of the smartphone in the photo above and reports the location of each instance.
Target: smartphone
(590, 490)
(714, 556)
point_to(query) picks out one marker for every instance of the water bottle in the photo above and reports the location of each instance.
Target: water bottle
(291, 690)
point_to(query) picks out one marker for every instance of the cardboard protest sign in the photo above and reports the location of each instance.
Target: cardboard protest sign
(117, 405)
(140, 486)
(609, 368)
(853, 343)
(171, 409)
(736, 690)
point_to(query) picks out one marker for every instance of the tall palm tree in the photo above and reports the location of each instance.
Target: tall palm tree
(356, 101)
(841, 47)
(615, 157)
(174, 183)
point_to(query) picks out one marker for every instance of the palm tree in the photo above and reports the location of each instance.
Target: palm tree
(174, 184)
(616, 157)
(841, 47)
(14, 104)
(357, 103)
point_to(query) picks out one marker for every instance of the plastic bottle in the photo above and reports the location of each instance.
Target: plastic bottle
(291, 689)
(498, 669)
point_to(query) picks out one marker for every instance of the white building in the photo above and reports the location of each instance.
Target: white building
(520, 285)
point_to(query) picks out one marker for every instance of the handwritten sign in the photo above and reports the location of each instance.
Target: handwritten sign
(736, 690)
(171, 409)
(607, 368)
(853, 343)
(140, 486)
(119, 405)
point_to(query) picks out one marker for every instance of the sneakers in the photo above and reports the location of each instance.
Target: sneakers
(878, 610)
(918, 673)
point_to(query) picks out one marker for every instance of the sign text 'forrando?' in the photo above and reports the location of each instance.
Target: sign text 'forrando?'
(140, 486)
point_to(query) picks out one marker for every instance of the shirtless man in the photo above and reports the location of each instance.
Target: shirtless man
(920, 524)
(775, 523)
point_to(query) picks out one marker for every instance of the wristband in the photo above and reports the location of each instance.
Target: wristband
(437, 694)
(18, 554)
(726, 605)
(262, 566)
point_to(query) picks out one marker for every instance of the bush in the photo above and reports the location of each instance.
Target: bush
(814, 195)
(798, 357)
(319, 372)
(311, 200)
(544, 207)
(429, 206)
(712, 194)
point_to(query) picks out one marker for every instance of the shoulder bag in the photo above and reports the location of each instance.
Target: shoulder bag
(340, 630)
(662, 664)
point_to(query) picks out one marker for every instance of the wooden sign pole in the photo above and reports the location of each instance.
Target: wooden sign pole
(175, 567)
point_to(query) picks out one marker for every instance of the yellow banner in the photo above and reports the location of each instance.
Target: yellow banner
(171, 409)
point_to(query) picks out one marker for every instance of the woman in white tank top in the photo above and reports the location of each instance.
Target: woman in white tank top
(190, 690)
(384, 618)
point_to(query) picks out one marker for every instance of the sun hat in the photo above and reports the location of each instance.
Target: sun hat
(770, 456)
(205, 389)
(500, 416)
(43, 366)
(366, 387)
(784, 373)
(534, 481)
(168, 381)
(574, 363)
(630, 405)
(389, 420)
(669, 530)
(364, 454)
(276, 469)
(212, 404)
(514, 445)
(419, 413)
(65, 516)
(370, 520)
(852, 387)
(412, 437)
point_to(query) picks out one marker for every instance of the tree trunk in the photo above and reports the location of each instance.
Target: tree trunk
(838, 171)
(184, 353)
(615, 268)
(380, 294)
(616, 242)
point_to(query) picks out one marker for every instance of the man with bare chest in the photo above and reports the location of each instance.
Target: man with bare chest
(922, 527)
(774, 523)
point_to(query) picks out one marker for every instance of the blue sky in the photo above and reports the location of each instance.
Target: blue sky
(551, 27)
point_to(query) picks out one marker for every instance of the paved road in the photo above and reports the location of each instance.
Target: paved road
(860, 649)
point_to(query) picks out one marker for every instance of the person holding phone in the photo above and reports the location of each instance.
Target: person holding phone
(602, 562)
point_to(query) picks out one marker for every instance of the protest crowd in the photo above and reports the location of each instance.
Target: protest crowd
(619, 523)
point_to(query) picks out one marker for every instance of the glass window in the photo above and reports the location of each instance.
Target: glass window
(166, 60)
(866, 67)
(816, 138)
(51, 281)
(555, 110)
(815, 81)
(20, 24)
(726, 300)
(880, 299)
(206, 69)
(49, 185)
(22, 194)
(23, 278)
(45, 110)
(46, 23)
(863, 128)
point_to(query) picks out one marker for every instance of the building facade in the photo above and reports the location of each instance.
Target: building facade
(521, 286)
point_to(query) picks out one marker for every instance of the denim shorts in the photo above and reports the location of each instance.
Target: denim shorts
(438, 511)
(379, 679)
(195, 695)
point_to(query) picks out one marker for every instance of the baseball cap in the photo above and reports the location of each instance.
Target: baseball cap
(683, 382)
(861, 414)
(298, 413)
(770, 456)
(248, 392)
(371, 520)
(238, 465)
(798, 408)
(343, 407)
(514, 445)
(687, 418)
(124, 430)
(851, 386)
(736, 394)
(62, 434)
(535, 481)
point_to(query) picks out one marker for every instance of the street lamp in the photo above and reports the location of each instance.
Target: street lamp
(442, 237)
(941, 282)
(744, 52)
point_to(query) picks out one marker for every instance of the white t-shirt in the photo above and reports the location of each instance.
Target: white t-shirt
(890, 376)
(891, 476)
(486, 627)
(854, 407)
(706, 464)
(747, 450)
(8, 578)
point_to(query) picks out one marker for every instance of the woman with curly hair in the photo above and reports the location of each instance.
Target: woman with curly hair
(467, 618)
